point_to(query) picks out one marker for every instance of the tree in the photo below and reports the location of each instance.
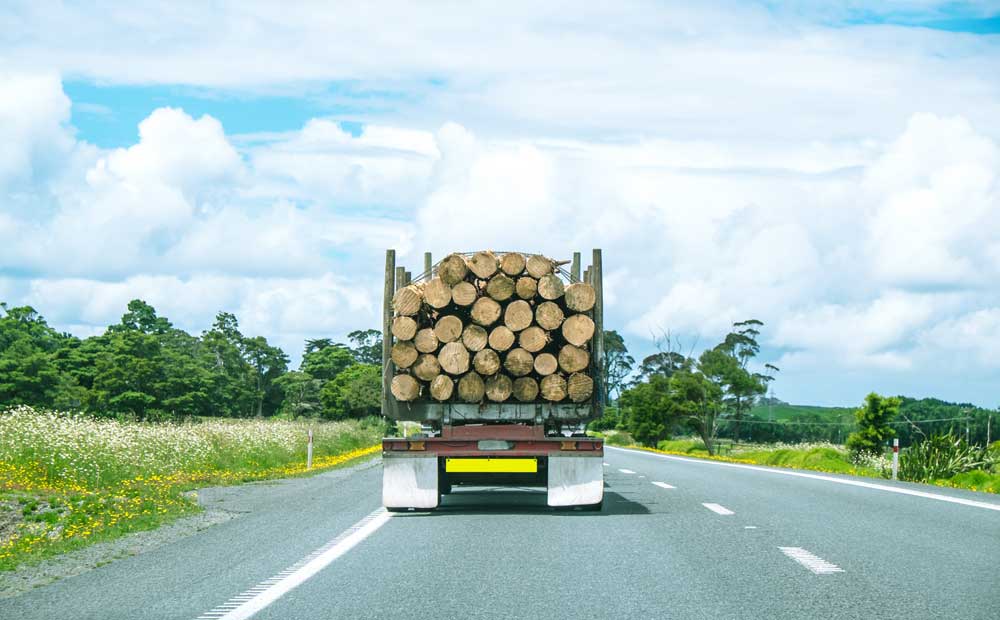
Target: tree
(301, 394)
(873, 425)
(741, 386)
(647, 410)
(696, 400)
(367, 347)
(328, 362)
(267, 363)
(354, 393)
(617, 363)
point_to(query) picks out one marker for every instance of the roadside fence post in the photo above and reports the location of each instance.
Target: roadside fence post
(309, 451)
(895, 457)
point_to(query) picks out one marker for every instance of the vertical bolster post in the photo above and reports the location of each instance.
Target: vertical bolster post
(408, 277)
(387, 370)
(400, 277)
(597, 273)
(427, 265)
(575, 271)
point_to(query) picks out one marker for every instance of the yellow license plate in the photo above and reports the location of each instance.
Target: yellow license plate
(489, 466)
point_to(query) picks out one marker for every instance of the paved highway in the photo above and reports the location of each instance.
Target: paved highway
(677, 538)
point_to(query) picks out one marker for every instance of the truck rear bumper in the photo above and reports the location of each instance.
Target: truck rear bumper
(410, 481)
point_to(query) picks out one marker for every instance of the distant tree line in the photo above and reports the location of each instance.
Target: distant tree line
(145, 368)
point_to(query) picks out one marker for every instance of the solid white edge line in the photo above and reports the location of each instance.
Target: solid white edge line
(799, 474)
(719, 509)
(664, 485)
(626, 471)
(264, 596)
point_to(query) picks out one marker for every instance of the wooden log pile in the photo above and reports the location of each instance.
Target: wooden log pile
(493, 329)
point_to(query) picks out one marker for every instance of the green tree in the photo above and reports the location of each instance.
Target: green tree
(327, 362)
(28, 372)
(301, 394)
(231, 393)
(873, 425)
(355, 392)
(267, 363)
(696, 400)
(646, 408)
(366, 346)
(617, 364)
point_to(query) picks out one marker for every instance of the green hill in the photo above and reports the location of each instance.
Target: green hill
(780, 411)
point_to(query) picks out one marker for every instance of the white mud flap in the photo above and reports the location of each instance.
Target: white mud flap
(410, 482)
(575, 481)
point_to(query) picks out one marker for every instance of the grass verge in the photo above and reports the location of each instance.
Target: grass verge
(68, 481)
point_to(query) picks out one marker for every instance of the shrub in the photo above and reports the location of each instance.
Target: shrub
(940, 456)
(873, 425)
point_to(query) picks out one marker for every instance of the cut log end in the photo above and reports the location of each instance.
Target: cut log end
(484, 264)
(579, 387)
(499, 388)
(426, 341)
(426, 367)
(474, 338)
(550, 287)
(546, 364)
(485, 311)
(403, 354)
(578, 329)
(486, 362)
(573, 358)
(448, 328)
(407, 301)
(580, 297)
(553, 388)
(517, 315)
(519, 362)
(525, 389)
(464, 293)
(404, 328)
(454, 358)
(437, 293)
(533, 339)
(501, 338)
(453, 269)
(471, 388)
(539, 266)
(500, 287)
(549, 315)
(405, 388)
(442, 387)
(512, 263)
(526, 287)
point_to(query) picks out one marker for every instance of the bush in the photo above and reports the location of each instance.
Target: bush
(618, 438)
(940, 456)
(873, 425)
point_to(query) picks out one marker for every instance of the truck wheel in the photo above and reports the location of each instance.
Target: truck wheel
(396, 509)
(444, 488)
(593, 507)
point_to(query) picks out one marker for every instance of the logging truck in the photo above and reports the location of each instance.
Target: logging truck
(498, 356)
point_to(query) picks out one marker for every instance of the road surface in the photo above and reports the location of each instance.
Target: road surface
(677, 538)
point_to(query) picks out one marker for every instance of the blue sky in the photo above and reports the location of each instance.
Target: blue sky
(828, 168)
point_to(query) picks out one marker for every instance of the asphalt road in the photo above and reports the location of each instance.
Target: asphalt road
(767, 546)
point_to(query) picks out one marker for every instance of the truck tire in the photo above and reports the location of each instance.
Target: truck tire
(593, 507)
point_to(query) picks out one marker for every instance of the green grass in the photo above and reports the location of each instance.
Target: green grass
(793, 413)
(79, 480)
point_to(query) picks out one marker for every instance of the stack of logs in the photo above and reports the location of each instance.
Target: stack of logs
(493, 328)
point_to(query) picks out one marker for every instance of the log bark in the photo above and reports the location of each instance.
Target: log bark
(405, 388)
(546, 364)
(578, 329)
(448, 328)
(474, 338)
(437, 294)
(579, 387)
(484, 264)
(538, 266)
(453, 269)
(553, 388)
(501, 338)
(533, 339)
(471, 388)
(573, 359)
(403, 354)
(426, 341)
(518, 315)
(519, 362)
(550, 287)
(442, 387)
(426, 367)
(499, 388)
(406, 301)
(454, 358)
(580, 297)
(485, 311)
(500, 287)
(486, 362)
(549, 315)
(512, 263)
(526, 287)
(525, 389)
(404, 328)
(464, 293)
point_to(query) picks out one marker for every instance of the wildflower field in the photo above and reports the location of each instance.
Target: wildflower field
(69, 480)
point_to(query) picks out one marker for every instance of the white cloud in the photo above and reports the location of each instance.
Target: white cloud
(34, 133)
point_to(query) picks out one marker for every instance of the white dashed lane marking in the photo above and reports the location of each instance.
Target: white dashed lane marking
(664, 485)
(814, 563)
(626, 471)
(717, 509)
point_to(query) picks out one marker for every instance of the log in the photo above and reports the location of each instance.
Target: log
(499, 388)
(512, 263)
(406, 301)
(486, 362)
(485, 311)
(454, 358)
(426, 367)
(404, 328)
(500, 287)
(519, 362)
(474, 338)
(580, 297)
(526, 287)
(580, 387)
(464, 293)
(448, 328)
(437, 294)
(453, 269)
(553, 388)
(573, 359)
(426, 341)
(403, 354)
(518, 315)
(550, 287)
(533, 339)
(546, 364)
(549, 315)
(441, 387)
(538, 266)
(525, 389)
(471, 388)
(501, 338)
(578, 329)
(484, 264)
(405, 388)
